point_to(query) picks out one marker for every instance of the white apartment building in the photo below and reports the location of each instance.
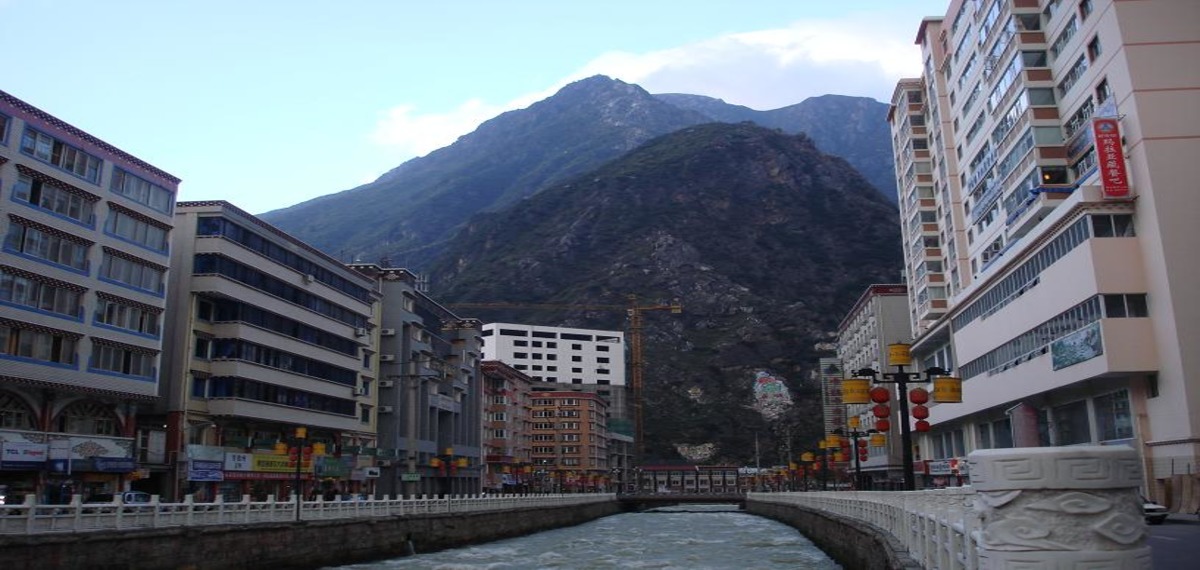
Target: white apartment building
(558, 354)
(1046, 163)
(83, 277)
(880, 317)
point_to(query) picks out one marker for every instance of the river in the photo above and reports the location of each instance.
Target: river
(714, 537)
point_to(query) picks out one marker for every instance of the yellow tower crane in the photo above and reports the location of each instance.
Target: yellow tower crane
(634, 311)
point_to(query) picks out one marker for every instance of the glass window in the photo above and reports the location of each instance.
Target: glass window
(1113, 418)
(1071, 424)
(53, 151)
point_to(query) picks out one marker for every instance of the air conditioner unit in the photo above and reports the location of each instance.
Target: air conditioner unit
(387, 383)
(360, 331)
(387, 332)
(360, 391)
(387, 358)
(385, 409)
(309, 278)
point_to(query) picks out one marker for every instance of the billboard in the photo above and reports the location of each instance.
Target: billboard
(1110, 158)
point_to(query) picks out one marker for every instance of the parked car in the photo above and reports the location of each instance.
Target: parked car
(127, 498)
(1154, 512)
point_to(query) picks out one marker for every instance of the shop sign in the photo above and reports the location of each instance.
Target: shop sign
(329, 466)
(277, 464)
(205, 471)
(410, 477)
(23, 455)
(114, 464)
(941, 466)
(1110, 158)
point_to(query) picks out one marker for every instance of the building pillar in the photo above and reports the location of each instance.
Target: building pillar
(1059, 507)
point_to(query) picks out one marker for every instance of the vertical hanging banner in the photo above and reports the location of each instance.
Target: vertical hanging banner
(1110, 158)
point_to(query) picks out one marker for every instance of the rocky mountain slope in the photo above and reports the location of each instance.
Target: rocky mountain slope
(409, 213)
(765, 240)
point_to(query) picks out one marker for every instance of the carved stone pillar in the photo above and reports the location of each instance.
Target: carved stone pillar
(1059, 507)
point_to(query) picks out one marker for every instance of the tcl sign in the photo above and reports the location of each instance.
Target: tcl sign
(1114, 180)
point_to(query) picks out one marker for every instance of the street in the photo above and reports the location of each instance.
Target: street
(1176, 542)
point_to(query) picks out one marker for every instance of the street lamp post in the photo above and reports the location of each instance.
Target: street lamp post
(899, 356)
(300, 436)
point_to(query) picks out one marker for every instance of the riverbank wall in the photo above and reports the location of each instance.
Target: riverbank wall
(301, 545)
(852, 543)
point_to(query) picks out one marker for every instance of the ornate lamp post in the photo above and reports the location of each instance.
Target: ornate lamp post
(807, 460)
(297, 453)
(858, 447)
(946, 389)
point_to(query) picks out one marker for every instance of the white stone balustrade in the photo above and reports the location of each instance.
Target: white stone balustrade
(1044, 508)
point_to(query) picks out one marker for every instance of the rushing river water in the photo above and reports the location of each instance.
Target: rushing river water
(715, 537)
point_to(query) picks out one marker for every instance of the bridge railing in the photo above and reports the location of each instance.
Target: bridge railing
(1074, 507)
(32, 518)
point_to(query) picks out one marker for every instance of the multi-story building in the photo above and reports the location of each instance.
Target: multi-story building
(83, 274)
(1045, 158)
(570, 442)
(558, 354)
(571, 359)
(507, 419)
(880, 317)
(269, 355)
(430, 392)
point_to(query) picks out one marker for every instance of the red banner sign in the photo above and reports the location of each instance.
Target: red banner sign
(1114, 180)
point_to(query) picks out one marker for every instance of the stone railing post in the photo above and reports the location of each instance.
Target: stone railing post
(1059, 507)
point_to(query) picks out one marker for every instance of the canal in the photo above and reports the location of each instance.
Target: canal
(692, 537)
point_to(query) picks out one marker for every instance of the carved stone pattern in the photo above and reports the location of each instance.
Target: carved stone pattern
(1055, 468)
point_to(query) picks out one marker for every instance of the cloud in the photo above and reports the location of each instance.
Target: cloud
(409, 132)
(860, 55)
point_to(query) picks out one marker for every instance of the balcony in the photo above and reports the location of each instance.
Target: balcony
(1034, 206)
(251, 409)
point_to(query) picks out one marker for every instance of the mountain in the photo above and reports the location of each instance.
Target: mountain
(409, 213)
(853, 128)
(765, 240)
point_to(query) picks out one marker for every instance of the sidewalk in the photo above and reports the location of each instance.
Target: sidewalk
(1182, 518)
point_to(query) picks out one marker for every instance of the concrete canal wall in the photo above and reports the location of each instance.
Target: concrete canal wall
(283, 546)
(851, 543)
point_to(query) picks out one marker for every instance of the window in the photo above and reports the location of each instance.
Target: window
(1071, 424)
(53, 151)
(1113, 418)
(1125, 306)
(4, 122)
(128, 315)
(37, 292)
(137, 229)
(1093, 49)
(39, 194)
(138, 274)
(122, 359)
(48, 244)
(142, 191)
(43, 345)
(1103, 91)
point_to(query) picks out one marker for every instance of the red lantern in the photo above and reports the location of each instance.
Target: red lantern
(883, 425)
(862, 455)
(918, 396)
(921, 425)
(920, 412)
(862, 443)
(879, 394)
(881, 411)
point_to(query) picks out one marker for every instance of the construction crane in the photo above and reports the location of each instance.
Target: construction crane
(634, 311)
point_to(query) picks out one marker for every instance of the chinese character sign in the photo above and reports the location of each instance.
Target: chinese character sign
(1110, 158)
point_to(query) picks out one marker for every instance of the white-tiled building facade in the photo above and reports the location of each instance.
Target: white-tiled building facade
(1047, 163)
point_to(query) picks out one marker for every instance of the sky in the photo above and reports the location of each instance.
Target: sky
(268, 103)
